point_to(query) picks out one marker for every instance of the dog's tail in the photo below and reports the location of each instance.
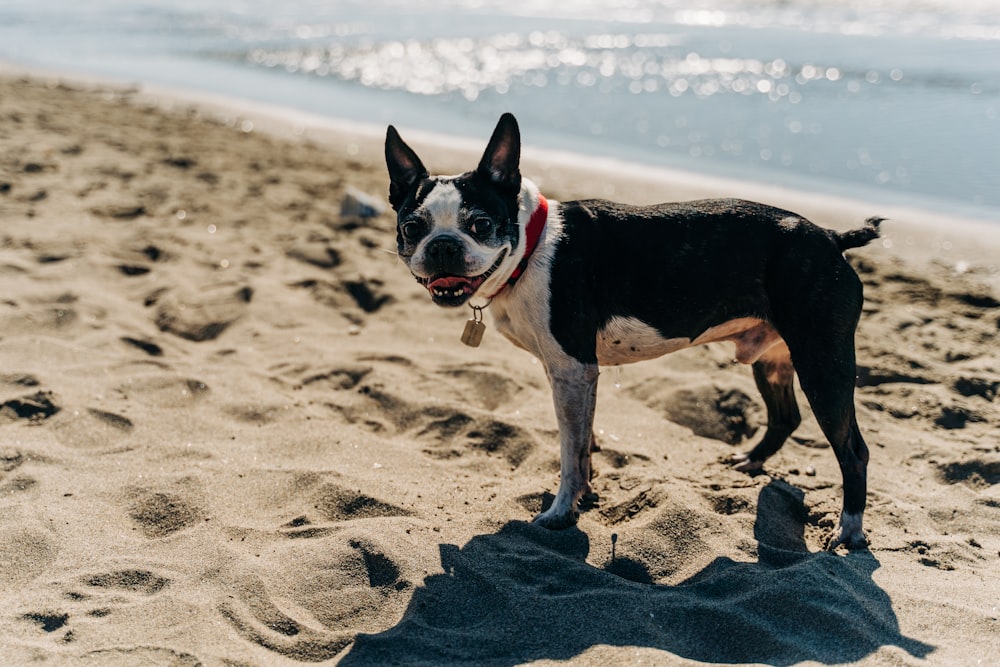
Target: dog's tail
(856, 238)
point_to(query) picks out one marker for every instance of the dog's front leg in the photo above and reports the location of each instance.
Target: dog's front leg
(574, 390)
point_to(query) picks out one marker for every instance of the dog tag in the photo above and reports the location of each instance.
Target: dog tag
(474, 328)
(473, 334)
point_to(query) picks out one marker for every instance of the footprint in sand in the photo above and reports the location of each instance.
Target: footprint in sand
(726, 414)
(940, 556)
(11, 484)
(341, 586)
(618, 459)
(317, 253)
(104, 592)
(162, 513)
(165, 391)
(731, 503)
(635, 506)
(19, 380)
(91, 428)
(25, 553)
(347, 296)
(199, 316)
(448, 432)
(983, 387)
(45, 315)
(138, 581)
(34, 407)
(10, 459)
(978, 474)
(344, 581)
(894, 369)
(486, 389)
(306, 376)
(957, 416)
(451, 434)
(134, 259)
(336, 503)
(96, 596)
(331, 504)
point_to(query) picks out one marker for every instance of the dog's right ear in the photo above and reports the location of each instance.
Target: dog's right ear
(405, 168)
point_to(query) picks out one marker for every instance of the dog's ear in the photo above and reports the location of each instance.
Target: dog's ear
(503, 154)
(405, 168)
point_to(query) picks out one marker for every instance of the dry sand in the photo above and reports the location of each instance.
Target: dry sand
(234, 431)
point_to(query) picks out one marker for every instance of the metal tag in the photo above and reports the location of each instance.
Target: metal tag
(473, 334)
(474, 328)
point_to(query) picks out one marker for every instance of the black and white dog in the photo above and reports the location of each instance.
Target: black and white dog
(584, 284)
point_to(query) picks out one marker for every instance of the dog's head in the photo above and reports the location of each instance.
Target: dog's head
(459, 235)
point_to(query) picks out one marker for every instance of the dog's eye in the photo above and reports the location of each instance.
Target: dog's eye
(412, 230)
(481, 226)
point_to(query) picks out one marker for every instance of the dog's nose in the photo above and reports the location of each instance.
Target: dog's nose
(444, 249)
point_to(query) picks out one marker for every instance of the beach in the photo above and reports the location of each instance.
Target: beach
(235, 431)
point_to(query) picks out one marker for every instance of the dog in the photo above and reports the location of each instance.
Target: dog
(584, 284)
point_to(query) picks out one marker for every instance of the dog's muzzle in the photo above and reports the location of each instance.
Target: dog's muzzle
(447, 289)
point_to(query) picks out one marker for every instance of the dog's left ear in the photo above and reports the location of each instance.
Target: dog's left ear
(503, 155)
(405, 168)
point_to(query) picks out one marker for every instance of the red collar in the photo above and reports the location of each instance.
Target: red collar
(532, 234)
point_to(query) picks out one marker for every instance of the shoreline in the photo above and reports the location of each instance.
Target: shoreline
(967, 245)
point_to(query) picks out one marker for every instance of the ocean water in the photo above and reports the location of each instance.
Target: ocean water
(886, 100)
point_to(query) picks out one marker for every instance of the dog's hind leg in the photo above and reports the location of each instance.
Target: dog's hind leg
(775, 377)
(816, 307)
(832, 404)
(826, 370)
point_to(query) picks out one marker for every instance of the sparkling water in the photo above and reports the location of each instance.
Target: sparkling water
(889, 100)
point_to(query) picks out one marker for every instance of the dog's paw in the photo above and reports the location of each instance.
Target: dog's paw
(853, 541)
(852, 535)
(556, 520)
(743, 463)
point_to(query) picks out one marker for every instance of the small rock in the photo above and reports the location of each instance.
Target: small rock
(358, 204)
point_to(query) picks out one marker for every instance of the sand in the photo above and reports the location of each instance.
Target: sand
(234, 431)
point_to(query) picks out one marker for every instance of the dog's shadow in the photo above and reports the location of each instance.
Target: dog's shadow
(526, 593)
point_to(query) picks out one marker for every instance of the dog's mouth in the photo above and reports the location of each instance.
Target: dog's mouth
(452, 290)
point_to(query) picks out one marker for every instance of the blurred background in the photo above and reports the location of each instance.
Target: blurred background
(884, 100)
